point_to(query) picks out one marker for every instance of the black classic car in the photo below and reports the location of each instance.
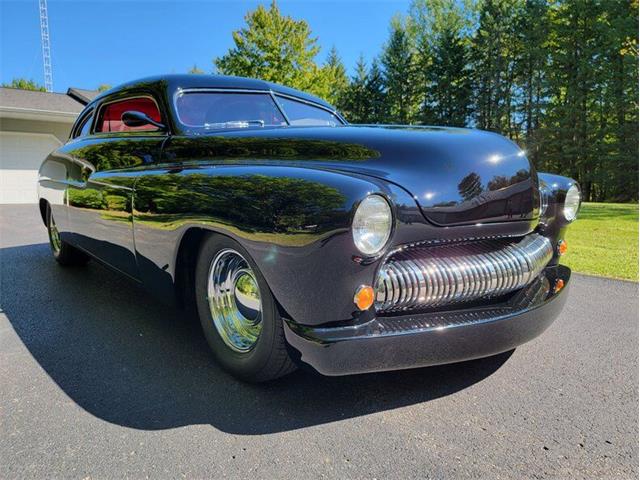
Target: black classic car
(298, 238)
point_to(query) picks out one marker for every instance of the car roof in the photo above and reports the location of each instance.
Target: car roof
(184, 81)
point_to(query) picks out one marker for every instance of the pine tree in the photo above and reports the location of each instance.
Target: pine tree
(532, 67)
(450, 85)
(495, 53)
(399, 74)
(442, 49)
(355, 105)
(423, 77)
(571, 131)
(335, 77)
(620, 173)
(375, 94)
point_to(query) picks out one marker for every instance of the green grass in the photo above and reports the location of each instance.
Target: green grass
(604, 241)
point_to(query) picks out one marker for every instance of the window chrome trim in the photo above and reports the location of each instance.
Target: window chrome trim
(76, 130)
(181, 91)
(312, 104)
(124, 99)
(308, 102)
(279, 107)
(273, 94)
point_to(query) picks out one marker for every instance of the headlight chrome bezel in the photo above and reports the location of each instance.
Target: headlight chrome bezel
(545, 194)
(373, 204)
(574, 196)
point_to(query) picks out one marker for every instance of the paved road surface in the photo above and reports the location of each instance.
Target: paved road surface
(98, 380)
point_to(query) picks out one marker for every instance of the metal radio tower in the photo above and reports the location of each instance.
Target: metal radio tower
(46, 46)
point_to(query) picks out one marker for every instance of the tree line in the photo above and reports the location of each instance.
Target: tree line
(559, 77)
(30, 84)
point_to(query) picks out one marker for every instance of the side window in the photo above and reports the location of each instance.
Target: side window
(212, 110)
(83, 127)
(110, 117)
(300, 113)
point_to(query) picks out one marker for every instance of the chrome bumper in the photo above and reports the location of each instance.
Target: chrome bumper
(417, 277)
(419, 340)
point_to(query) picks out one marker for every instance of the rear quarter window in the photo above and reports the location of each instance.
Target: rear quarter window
(110, 117)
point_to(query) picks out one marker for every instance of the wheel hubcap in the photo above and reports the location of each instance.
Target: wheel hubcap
(54, 235)
(234, 300)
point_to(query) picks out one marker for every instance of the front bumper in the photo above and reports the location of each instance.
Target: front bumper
(420, 340)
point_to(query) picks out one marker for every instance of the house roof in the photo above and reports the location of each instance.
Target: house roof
(35, 105)
(40, 101)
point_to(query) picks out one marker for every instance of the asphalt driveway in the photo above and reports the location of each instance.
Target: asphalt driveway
(98, 380)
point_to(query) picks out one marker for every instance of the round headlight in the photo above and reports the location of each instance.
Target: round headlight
(572, 203)
(372, 225)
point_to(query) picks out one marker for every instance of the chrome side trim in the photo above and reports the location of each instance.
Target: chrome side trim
(432, 276)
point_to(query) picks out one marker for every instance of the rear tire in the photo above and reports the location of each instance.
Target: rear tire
(65, 254)
(238, 312)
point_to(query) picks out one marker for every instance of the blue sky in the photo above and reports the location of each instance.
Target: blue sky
(96, 42)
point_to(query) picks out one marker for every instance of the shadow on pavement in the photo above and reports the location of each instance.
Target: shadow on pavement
(131, 361)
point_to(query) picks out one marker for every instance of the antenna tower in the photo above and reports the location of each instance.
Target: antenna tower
(46, 46)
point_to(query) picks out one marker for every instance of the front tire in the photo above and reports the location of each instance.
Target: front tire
(238, 312)
(65, 254)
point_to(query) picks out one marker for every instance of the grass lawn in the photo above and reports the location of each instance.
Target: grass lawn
(604, 241)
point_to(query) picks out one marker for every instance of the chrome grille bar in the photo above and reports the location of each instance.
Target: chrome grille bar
(432, 276)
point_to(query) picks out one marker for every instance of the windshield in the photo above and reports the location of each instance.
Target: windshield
(220, 110)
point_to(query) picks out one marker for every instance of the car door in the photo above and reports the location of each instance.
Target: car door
(56, 172)
(100, 196)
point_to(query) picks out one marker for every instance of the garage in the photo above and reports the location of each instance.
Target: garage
(20, 157)
(32, 124)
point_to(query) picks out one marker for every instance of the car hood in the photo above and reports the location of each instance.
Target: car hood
(457, 176)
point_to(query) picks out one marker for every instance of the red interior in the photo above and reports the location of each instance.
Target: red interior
(111, 121)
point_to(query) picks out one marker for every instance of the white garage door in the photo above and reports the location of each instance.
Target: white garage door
(20, 157)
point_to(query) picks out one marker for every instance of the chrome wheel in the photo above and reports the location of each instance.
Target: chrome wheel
(234, 300)
(54, 235)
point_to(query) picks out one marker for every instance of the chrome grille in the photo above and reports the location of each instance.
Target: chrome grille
(432, 276)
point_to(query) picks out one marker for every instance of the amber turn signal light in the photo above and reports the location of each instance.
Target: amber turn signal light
(559, 285)
(364, 297)
(562, 247)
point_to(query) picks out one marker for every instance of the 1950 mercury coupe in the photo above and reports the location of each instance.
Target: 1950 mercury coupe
(301, 238)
